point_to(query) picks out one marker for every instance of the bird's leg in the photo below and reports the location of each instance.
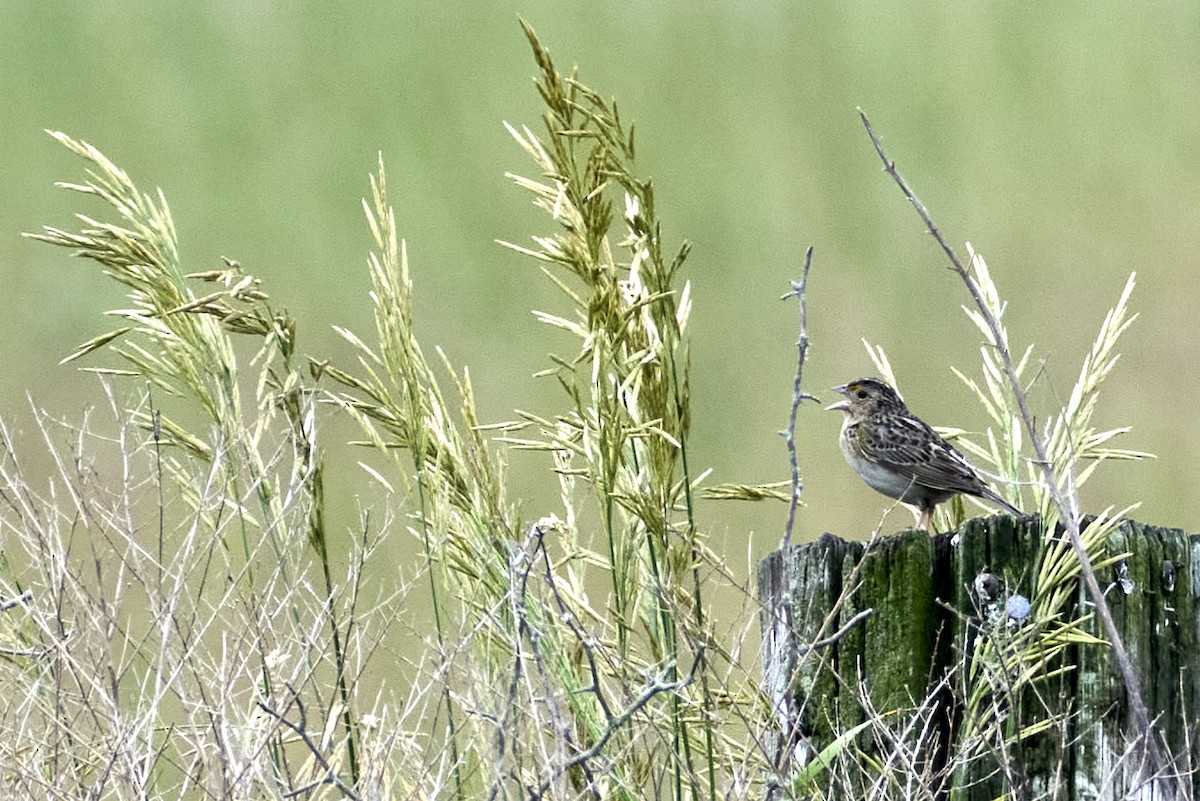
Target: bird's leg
(926, 518)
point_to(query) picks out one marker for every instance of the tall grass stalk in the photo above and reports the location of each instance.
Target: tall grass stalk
(548, 689)
(629, 381)
(182, 344)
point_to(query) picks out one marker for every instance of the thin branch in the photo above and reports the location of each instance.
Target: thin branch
(1067, 508)
(301, 730)
(840, 633)
(23, 598)
(520, 565)
(799, 288)
(652, 689)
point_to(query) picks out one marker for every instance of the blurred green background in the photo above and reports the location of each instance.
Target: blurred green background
(1061, 139)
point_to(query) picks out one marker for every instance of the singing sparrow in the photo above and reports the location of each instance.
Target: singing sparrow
(897, 454)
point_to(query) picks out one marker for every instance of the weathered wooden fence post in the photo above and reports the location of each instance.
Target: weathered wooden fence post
(916, 660)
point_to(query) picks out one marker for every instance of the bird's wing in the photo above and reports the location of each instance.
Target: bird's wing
(909, 446)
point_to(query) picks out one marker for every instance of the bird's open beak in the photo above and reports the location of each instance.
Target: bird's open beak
(841, 405)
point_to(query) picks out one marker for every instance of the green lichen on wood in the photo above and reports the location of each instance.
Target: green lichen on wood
(804, 585)
(1004, 546)
(897, 641)
(987, 687)
(1153, 598)
(816, 592)
(847, 653)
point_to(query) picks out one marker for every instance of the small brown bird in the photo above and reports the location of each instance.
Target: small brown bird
(897, 454)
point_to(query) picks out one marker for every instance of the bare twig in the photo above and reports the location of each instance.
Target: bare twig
(300, 729)
(798, 395)
(653, 688)
(23, 598)
(842, 632)
(1067, 507)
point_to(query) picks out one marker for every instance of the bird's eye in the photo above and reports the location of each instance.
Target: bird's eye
(861, 394)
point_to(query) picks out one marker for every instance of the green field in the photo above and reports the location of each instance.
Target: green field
(1060, 139)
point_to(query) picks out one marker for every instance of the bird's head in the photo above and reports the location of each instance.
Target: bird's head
(864, 397)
